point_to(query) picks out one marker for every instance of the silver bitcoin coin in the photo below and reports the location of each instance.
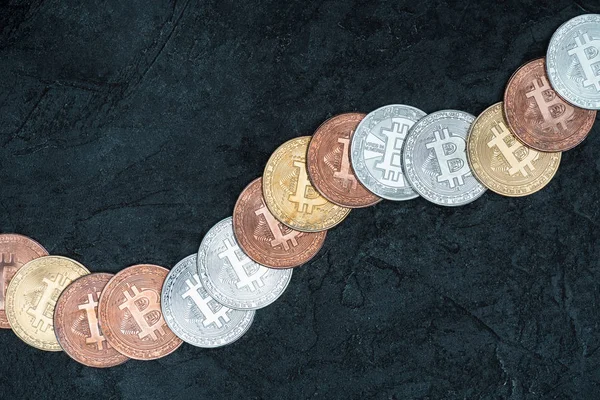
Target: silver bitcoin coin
(193, 315)
(231, 277)
(435, 160)
(573, 61)
(376, 151)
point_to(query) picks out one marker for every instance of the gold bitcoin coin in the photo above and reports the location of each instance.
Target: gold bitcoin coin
(31, 297)
(290, 196)
(501, 162)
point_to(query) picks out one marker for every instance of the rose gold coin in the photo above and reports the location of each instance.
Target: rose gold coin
(266, 240)
(15, 251)
(130, 314)
(328, 163)
(538, 116)
(76, 323)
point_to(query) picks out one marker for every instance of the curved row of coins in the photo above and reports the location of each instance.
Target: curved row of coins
(309, 185)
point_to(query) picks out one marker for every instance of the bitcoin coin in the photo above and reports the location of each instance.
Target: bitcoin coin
(266, 240)
(501, 162)
(130, 315)
(435, 160)
(31, 297)
(376, 151)
(15, 251)
(290, 196)
(328, 163)
(231, 277)
(573, 60)
(193, 315)
(76, 323)
(538, 116)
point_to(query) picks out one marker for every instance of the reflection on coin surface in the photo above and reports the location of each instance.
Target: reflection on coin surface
(501, 162)
(435, 160)
(194, 315)
(15, 251)
(76, 323)
(538, 116)
(328, 163)
(289, 194)
(572, 61)
(31, 298)
(130, 314)
(266, 240)
(233, 279)
(376, 150)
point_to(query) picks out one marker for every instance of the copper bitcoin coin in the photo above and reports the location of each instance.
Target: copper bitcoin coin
(538, 116)
(329, 166)
(76, 323)
(266, 240)
(130, 314)
(15, 251)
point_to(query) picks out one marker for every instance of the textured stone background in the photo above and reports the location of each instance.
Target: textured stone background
(128, 128)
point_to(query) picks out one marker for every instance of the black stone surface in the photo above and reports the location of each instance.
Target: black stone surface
(128, 128)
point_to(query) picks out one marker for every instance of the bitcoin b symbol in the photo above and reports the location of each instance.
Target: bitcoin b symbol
(252, 282)
(92, 318)
(274, 226)
(8, 267)
(450, 153)
(42, 312)
(348, 179)
(391, 165)
(588, 54)
(517, 155)
(555, 112)
(144, 306)
(210, 317)
(303, 186)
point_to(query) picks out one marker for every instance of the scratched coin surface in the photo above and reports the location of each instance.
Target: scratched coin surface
(376, 151)
(76, 323)
(290, 196)
(193, 315)
(435, 160)
(328, 163)
(573, 61)
(231, 277)
(31, 297)
(538, 116)
(130, 314)
(266, 240)
(501, 162)
(15, 251)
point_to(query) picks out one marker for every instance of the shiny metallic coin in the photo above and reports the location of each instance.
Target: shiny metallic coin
(231, 277)
(376, 151)
(435, 161)
(193, 315)
(76, 323)
(15, 251)
(31, 297)
(130, 314)
(572, 61)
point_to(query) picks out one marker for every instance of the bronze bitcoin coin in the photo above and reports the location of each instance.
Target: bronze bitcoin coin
(15, 251)
(329, 166)
(266, 240)
(538, 116)
(76, 323)
(130, 314)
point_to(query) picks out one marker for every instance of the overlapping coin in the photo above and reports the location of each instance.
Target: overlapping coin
(266, 240)
(290, 196)
(130, 313)
(193, 315)
(76, 323)
(501, 162)
(328, 162)
(15, 251)
(435, 161)
(377, 151)
(31, 298)
(538, 116)
(231, 277)
(572, 60)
